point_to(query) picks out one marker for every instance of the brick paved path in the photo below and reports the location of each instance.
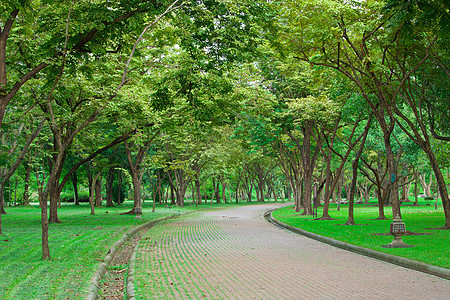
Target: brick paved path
(236, 254)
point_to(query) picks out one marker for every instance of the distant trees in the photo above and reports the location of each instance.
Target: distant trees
(209, 96)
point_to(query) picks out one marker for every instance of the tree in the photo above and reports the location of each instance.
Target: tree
(11, 140)
(360, 41)
(35, 35)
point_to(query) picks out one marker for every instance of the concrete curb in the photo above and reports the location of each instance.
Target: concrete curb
(131, 295)
(397, 260)
(95, 283)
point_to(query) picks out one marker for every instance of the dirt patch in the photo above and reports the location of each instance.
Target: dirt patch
(115, 280)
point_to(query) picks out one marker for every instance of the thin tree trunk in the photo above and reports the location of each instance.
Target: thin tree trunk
(26, 194)
(172, 196)
(224, 194)
(350, 199)
(2, 198)
(44, 220)
(158, 176)
(119, 192)
(98, 192)
(197, 189)
(44, 223)
(109, 187)
(91, 197)
(216, 190)
(416, 199)
(74, 178)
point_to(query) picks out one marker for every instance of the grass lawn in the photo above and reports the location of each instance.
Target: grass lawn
(432, 249)
(77, 245)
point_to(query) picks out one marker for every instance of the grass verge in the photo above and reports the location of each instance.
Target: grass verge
(77, 246)
(431, 249)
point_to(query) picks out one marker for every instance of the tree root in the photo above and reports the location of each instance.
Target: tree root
(380, 218)
(325, 218)
(349, 223)
(408, 233)
(131, 212)
(446, 227)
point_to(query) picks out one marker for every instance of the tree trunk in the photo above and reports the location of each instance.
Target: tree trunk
(2, 198)
(442, 187)
(55, 196)
(224, 195)
(90, 178)
(193, 196)
(137, 172)
(426, 186)
(137, 204)
(9, 193)
(172, 196)
(340, 185)
(297, 194)
(351, 196)
(15, 191)
(216, 190)
(249, 193)
(288, 192)
(405, 190)
(260, 188)
(416, 183)
(197, 189)
(255, 186)
(44, 223)
(119, 192)
(109, 187)
(306, 203)
(92, 193)
(181, 193)
(381, 197)
(98, 192)
(328, 186)
(158, 176)
(393, 186)
(74, 178)
(275, 196)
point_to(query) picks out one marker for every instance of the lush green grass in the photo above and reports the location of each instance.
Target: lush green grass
(81, 241)
(432, 249)
(77, 246)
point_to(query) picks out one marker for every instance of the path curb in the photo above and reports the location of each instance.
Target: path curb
(131, 295)
(397, 260)
(95, 283)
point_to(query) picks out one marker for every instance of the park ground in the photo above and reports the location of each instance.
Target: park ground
(81, 241)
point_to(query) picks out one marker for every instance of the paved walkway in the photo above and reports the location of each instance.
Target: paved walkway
(236, 254)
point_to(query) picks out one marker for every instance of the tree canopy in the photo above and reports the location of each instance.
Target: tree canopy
(257, 97)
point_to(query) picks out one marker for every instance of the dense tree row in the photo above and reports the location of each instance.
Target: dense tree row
(223, 101)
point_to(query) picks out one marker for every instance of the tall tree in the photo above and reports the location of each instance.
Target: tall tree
(359, 40)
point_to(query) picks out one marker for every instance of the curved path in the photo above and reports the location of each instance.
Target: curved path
(236, 254)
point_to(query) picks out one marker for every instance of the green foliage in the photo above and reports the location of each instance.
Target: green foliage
(219, 33)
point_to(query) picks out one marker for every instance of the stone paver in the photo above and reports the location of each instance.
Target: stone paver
(236, 254)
